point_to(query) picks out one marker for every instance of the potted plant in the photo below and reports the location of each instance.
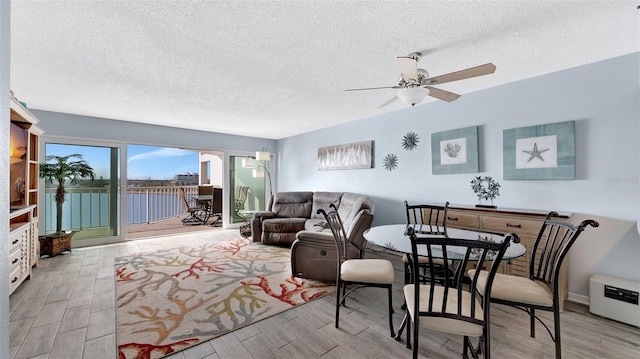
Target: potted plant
(59, 169)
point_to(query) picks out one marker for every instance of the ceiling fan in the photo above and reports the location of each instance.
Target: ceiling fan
(416, 83)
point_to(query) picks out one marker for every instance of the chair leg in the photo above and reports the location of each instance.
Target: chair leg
(485, 346)
(532, 318)
(465, 347)
(338, 297)
(556, 325)
(393, 334)
(416, 333)
(409, 332)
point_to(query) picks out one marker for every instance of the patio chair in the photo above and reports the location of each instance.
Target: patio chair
(240, 197)
(197, 212)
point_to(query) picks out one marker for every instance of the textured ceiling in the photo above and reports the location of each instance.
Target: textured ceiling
(275, 69)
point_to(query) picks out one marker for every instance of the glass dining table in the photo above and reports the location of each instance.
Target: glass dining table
(393, 237)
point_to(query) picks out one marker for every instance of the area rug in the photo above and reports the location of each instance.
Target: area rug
(169, 300)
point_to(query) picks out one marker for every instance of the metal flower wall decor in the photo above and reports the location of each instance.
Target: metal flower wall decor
(410, 141)
(485, 188)
(390, 162)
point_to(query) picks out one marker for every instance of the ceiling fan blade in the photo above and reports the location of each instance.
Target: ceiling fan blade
(374, 88)
(442, 94)
(481, 70)
(408, 68)
(389, 101)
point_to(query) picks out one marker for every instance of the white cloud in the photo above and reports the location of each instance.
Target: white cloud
(160, 153)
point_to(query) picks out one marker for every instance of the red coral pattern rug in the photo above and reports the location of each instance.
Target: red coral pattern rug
(169, 300)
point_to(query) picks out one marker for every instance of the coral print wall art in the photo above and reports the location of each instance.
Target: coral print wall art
(455, 151)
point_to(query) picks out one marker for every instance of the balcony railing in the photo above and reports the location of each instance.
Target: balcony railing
(89, 207)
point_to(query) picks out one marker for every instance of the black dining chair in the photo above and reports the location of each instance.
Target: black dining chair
(449, 306)
(539, 291)
(357, 273)
(429, 218)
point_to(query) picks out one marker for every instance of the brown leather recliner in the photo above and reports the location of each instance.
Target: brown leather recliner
(286, 215)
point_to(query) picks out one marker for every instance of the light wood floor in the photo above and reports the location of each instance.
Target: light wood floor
(66, 310)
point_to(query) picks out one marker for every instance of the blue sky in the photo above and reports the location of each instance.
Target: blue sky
(144, 162)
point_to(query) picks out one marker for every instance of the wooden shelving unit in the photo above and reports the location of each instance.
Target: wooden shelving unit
(24, 174)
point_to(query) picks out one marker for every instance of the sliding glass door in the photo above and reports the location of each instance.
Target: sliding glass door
(91, 208)
(246, 189)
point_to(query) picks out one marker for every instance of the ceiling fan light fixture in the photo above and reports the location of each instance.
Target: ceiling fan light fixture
(413, 95)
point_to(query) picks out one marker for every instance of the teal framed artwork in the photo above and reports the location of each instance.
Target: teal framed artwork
(542, 152)
(455, 151)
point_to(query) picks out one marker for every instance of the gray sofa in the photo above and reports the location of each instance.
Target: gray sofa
(292, 220)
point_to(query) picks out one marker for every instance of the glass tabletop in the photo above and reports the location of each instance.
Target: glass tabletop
(393, 237)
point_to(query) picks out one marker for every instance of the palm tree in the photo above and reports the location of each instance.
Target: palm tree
(57, 169)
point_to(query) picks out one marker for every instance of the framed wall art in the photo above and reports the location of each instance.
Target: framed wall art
(355, 155)
(542, 152)
(455, 151)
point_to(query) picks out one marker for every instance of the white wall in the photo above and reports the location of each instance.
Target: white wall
(211, 169)
(602, 98)
(5, 56)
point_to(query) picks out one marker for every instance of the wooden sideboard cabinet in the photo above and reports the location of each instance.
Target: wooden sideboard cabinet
(525, 223)
(23, 194)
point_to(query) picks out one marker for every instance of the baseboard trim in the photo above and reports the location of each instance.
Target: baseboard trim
(578, 298)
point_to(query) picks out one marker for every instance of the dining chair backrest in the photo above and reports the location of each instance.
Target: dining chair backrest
(432, 217)
(205, 190)
(217, 200)
(551, 248)
(337, 228)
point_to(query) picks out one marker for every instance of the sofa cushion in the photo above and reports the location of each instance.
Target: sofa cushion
(322, 200)
(316, 225)
(292, 204)
(283, 225)
(350, 205)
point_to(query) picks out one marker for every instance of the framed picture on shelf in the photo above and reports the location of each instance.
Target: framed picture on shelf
(542, 152)
(455, 151)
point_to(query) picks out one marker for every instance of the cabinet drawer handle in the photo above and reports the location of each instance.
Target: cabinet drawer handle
(15, 241)
(514, 225)
(14, 280)
(15, 261)
(452, 218)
